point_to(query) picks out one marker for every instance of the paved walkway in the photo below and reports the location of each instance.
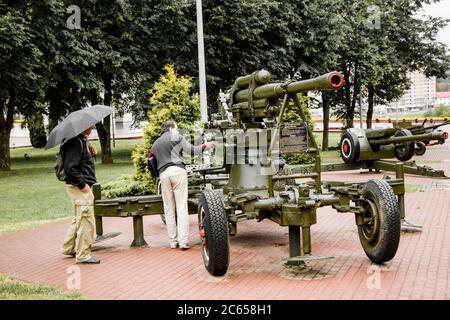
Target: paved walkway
(420, 269)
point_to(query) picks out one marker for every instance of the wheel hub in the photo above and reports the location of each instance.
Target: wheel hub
(371, 221)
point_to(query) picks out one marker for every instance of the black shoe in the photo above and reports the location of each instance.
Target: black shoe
(90, 261)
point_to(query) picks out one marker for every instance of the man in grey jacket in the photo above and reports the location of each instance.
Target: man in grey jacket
(168, 150)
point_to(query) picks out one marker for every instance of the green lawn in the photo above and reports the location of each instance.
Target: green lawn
(334, 138)
(11, 289)
(31, 195)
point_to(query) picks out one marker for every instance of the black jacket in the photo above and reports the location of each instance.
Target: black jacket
(168, 150)
(78, 165)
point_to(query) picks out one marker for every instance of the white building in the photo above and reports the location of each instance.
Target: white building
(420, 96)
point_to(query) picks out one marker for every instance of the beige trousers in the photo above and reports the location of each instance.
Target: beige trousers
(81, 232)
(174, 191)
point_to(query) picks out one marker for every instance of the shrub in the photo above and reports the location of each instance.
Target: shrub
(38, 137)
(123, 187)
(301, 158)
(293, 115)
(171, 99)
(438, 111)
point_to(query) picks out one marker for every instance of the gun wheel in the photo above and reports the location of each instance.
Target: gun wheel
(420, 148)
(380, 232)
(349, 147)
(213, 229)
(404, 151)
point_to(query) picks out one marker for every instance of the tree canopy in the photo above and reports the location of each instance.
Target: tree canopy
(120, 47)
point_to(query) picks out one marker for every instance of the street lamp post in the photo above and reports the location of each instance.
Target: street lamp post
(201, 63)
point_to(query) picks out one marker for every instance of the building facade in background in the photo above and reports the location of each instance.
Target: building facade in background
(419, 97)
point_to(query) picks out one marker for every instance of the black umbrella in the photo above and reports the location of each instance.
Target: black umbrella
(75, 123)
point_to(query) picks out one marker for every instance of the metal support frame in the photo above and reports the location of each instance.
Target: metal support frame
(135, 207)
(386, 165)
(294, 241)
(138, 230)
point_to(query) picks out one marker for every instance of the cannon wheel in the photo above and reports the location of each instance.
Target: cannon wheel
(380, 233)
(404, 151)
(349, 147)
(420, 148)
(213, 227)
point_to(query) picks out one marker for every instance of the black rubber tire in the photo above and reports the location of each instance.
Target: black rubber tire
(420, 148)
(380, 243)
(404, 151)
(215, 243)
(350, 141)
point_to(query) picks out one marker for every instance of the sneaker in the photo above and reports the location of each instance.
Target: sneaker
(90, 261)
(184, 247)
(174, 245)
(72, 254)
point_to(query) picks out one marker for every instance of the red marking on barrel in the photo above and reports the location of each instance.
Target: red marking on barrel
(336, 80)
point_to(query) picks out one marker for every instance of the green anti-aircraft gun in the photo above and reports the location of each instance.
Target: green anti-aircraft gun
(373, 148)
(373, 144)
(250, 183)
(254, 105)
(419, 129)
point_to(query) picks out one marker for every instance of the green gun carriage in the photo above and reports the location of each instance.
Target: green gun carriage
(250, 182)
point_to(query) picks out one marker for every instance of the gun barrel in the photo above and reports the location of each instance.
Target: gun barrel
(440, 136)
(330, 81)
(437, 125)
(261, 77)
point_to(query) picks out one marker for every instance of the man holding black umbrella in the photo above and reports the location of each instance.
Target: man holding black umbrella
(80, 176)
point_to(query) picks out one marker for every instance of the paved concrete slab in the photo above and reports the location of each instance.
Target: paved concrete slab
(420, 270)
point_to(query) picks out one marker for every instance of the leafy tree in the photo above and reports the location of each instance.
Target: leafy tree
(406, 46)
(378, 57)
(20, 69)
(171, 99)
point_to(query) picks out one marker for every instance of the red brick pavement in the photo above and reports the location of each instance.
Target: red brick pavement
(420, 270)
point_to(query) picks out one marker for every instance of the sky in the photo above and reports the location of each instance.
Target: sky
(441, 9)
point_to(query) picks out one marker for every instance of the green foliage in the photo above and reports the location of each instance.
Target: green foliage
(36, 127)
(123, 187)
(293, 115)
(11, 289)
(438, 111)
(171, 99)
(302, 158)
(31, 195)
(375, 59)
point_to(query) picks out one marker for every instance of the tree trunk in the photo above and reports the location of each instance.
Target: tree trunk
(104, 129)
(5, 157)
(326, 121)
(371, 95)
(348, 100)
(6, 126)
(351, 107)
